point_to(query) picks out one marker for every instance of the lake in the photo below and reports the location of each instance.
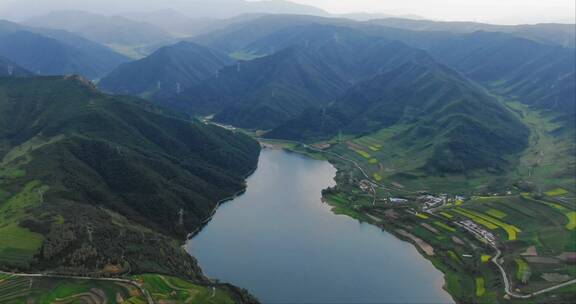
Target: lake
(283, 244)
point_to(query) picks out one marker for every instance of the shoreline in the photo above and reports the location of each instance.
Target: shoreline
(280, 146)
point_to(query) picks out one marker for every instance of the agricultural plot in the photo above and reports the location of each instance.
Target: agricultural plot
(173, 290)
(13, 288)
(556, 192)
(571, 215)
(65, 291)
(523, 270)
(542, 237)
(480, 287)
(490, 222)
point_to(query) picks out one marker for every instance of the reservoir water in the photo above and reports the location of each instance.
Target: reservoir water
(284, 245)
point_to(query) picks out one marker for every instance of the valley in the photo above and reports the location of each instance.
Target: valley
(238, 151)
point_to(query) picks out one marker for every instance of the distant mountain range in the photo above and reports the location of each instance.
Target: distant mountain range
(314, 65)
(538, 74)
(114, 30)
(55, 52)
(555, 34)
(310, 78)
(219, 9)
(510, 61)
(169, 70)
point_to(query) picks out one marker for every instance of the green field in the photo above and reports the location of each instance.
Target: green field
(18, 245)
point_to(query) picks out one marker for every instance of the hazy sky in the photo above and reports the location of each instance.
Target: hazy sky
(501, 11)
(493, 11)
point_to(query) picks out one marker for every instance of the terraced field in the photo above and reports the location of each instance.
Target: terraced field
(166, 289)
(13, 288)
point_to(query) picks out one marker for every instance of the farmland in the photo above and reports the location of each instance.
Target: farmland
(60, 291)
(167, 289)
(530, 211)
(163, 289)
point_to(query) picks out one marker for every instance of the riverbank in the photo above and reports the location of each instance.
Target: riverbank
(462, 257)
(279, 233)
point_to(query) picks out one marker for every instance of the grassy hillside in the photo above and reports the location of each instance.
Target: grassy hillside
(98, 185)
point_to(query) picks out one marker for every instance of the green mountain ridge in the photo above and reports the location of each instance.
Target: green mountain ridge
(457, 127)
(171, 68)
(88, 180)
(536, 74)
(262, 92)
(312, 67)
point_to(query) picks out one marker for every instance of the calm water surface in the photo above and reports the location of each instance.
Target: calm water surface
(285, 246)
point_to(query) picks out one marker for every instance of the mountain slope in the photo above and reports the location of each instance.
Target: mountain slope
(237, 36)
(536, 74)
(94, 181)
(102, 29)
(308, 67)
(52, 52)
(169, 69)
(439, 116)
(10, 69)
(266, 91)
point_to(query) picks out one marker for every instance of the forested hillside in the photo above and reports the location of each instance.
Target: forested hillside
(90, 183)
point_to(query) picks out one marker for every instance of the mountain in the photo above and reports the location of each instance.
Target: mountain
(168, 70)
(176, 23)
(10, 69)
(237, 36)
(220, 9)
(364, 16)
(54, 52)
(109, 30)
(548, 33)
(537, 74)
(313, 65)
(180, 25)
(437, 114)
(92, 181)
(264, 92)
